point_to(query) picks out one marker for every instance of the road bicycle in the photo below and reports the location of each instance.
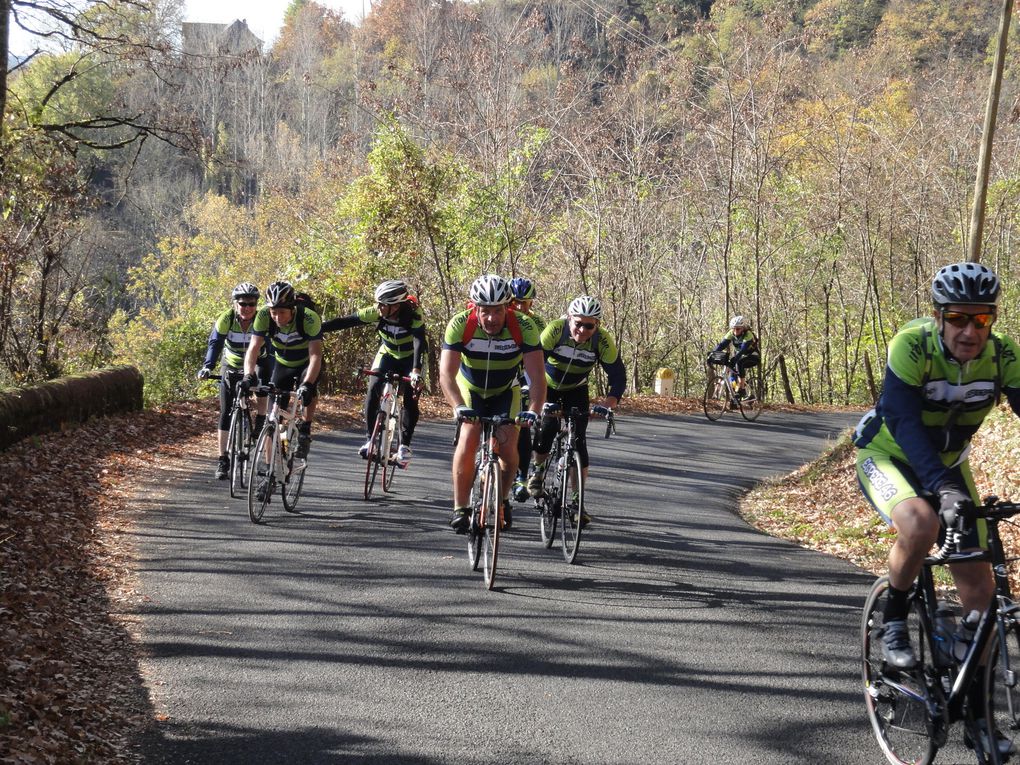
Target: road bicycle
(911, 711)
(386, 432)
(240, 435)
(487, 499)
(562, 497)
(275, 462)
(721, 392)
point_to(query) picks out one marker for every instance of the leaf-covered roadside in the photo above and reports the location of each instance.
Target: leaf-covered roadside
(820, 505)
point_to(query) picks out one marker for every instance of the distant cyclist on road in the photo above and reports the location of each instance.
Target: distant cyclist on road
(943, 377)
(398, 319)
(231, 333)
(523, 291)
(294, 334)
(483, 349)
(573, 345)
(745, 350)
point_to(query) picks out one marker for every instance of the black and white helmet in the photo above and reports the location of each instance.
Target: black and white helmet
(392, 292)
(585, 305)
(739, 321)
(965, 284)
(490, 289)
(245, 289)
(280, 295)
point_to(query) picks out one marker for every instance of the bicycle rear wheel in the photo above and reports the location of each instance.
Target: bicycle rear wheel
(896, 700)
(295, 478)
(492, 514)
(570, 517)
(1002, 678)
(716, 399)
(374, 453)
(261, 478)
(390, 445)
(750, 405)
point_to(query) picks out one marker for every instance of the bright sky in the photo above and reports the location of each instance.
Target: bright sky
(264, 17)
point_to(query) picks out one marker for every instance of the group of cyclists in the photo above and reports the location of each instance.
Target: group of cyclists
(498, 358)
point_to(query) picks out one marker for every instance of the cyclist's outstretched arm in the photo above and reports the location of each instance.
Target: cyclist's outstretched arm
(534, 365)
(251, 356)
(449, 365)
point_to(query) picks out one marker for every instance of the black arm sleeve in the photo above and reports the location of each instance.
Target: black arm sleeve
(900, 407)
(341, 322)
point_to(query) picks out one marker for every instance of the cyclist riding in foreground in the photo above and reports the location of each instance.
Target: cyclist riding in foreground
(231, 333)
(523, 292)
(483, 349)
(295, 333)
(745, 350)
(943, 377)
(573, 345)
(398, 319)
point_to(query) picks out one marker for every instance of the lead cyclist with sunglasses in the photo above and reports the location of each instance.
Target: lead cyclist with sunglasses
(943, 377)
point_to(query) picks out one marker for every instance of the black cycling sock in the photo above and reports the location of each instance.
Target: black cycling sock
(895, 604)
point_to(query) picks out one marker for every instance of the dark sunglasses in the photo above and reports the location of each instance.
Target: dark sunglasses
(959, 319)
(584, 324)
(246, 305)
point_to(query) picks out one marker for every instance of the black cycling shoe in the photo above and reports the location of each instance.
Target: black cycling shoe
(461, 520)
(223, 468)
(508, 517)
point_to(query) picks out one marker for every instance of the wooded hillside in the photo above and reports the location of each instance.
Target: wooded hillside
(808, 164)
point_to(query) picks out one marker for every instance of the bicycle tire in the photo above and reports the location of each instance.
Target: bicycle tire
(547, 515)
(264, 468)
(374, 452)
(475, 529)
(238, 449)
(493, 516)
(391, 442)
(1002, 679)
(570, 515)
(750, 405)
(716, 400)
(897, 707)
(291, 490)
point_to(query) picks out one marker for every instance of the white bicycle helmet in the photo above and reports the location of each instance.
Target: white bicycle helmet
(392, 292)
(281, 295)
(585, 305)
(739, 321)
(245, 289)
(490, 289)
(965, 284)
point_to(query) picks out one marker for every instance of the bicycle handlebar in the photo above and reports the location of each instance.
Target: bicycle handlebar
(391, 376)
(992, 510)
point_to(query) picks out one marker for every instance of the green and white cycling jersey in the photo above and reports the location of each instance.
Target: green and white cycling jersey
(931, 405)
(290, 342)
(228, 336)
(489, 365)
(568, 363)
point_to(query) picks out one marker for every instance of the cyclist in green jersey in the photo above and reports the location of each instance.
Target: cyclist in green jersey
(745, 350)
(231, 333)
(943, 377)
(401, 327)
(483, 350)
(573, 345)
(523, 292)
(294, 333)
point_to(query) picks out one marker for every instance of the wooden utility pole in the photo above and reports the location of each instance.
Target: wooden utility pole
(977, 213)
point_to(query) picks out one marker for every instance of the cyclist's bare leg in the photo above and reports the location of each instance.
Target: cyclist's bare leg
(224, 436)
(506, 448)
(974, 584)
(464, 462)
(917, 528)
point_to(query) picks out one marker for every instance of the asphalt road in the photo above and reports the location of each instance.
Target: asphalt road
(355, 631)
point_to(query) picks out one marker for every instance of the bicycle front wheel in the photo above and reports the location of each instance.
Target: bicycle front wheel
(295, 477)
(492, 515)
(261, 478)
(716, 399)
(896, 700)
(476, 530)
(1002, 679)
(390, 444)
(239, 448)
(572, 504)
(374, 453)
(750, 405)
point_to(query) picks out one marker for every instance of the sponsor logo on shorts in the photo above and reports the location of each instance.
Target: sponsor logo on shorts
(879, 481)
